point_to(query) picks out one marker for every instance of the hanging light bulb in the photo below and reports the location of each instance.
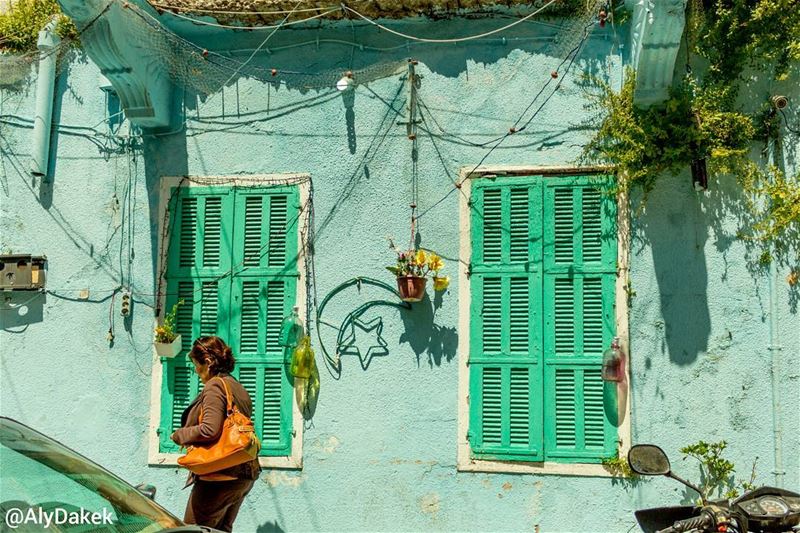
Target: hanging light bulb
(343, 84)
(346, 81)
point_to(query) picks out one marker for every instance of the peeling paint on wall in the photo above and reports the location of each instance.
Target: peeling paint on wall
(275, 478)
(430, 503)
(326, 445)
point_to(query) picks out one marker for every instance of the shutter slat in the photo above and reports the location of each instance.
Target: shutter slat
(564, 303)
(492, 312)
(181, 392)
(275, 315)
(188, 236)
(253, 215)
(492, 230)
(563, 225)
(492, 406)
(248, 342)
(593, 411)
(208, 308)
(592, 219)
(565, 407)
(271, 432)
(520, 315)
(277, 230)
(184, 316)
(592, 316)
(212, 231)
(519, 411)
(519, 225)
(248, 377)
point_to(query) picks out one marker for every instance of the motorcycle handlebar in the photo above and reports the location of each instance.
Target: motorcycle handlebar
(702, 523)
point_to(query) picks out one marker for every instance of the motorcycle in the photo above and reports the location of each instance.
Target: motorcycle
(764, 510)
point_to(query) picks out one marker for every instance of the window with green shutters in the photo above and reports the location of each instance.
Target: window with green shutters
(542, 278)
(232, 259)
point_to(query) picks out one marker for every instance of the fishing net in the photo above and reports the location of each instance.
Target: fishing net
(191, 66)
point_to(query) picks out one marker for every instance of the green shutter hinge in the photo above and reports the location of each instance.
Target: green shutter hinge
(470, 434)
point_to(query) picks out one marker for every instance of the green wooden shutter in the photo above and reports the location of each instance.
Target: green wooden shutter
(263, 293)
(579, 276)
(201, 221)
(505, 342)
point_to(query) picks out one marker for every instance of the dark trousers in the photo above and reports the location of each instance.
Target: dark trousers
(216, 503)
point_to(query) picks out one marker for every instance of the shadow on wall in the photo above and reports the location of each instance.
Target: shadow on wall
(675, 228)
(165, 154)
(269, 527)
(424, 336)
(18, 310)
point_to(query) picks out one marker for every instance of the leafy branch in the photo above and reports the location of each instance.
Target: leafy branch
(716, 472)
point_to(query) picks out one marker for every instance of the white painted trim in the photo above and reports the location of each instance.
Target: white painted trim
(465, 462)
(552, 469)
(303, 181)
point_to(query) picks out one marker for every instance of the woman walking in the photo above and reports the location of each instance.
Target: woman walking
(215, 498)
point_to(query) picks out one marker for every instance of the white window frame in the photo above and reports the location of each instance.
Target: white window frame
(466, 463)
(154, 456)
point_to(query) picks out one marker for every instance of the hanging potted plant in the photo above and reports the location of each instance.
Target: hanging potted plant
(412, 270)
(167, 341)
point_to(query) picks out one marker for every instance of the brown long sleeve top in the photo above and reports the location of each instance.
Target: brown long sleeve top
(213, 403)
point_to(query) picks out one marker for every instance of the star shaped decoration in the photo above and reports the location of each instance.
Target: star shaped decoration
(350, 345)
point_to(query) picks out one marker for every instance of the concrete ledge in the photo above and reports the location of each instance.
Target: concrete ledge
(516, 467)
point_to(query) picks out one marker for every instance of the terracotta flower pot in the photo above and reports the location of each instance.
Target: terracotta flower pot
(169, 349)
(412, 288)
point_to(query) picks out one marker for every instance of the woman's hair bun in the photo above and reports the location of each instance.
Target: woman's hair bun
(215, 349)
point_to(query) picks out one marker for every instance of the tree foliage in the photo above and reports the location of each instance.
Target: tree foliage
(702, 119)
(20, 25)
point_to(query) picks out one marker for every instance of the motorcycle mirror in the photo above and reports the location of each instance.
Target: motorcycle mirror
(648, 460)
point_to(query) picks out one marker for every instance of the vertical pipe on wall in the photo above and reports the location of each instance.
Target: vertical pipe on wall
(775, 349)
(42, 123)
(775, 359)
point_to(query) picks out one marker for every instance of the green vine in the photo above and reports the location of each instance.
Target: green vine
(702, 120)
(619, 467)
(20, 25)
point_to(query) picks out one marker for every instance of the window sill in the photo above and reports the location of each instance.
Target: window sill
(282, 463)
(515, 467)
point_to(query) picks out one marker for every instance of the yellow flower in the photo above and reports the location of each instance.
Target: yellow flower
(441, 283)
(435, 262)
(421, 258)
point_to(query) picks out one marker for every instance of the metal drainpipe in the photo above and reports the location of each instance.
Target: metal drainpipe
(775, 349)
(45, 87)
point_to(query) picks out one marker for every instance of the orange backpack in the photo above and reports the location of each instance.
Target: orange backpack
(237, 443)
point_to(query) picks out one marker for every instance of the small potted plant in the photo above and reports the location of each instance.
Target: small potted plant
(412, 270)
(167, 341)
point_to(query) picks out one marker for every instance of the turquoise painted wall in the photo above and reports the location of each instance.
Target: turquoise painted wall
(381, 451)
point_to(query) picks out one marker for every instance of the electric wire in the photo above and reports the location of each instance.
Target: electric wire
(310, 213)
(573, 54)
(166, 7)
(254, 28)
(263, 43)
(786, 121)
(453, 40)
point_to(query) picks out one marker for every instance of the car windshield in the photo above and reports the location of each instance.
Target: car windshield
(42, 479)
